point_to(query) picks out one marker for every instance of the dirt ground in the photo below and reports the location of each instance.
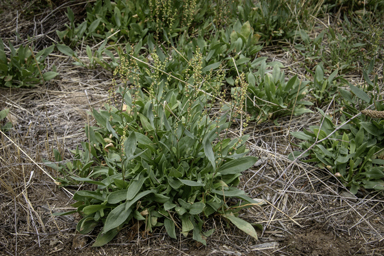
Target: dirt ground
(307, 211)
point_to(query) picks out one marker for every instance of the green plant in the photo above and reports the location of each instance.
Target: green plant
(350, 46)
(23, 68)
(6, 126)
(136, 20)
(74, 34)
(323, 89)
(233, 48)
(353, 150)
(155, 162)
(158, 157)
(273, 20)
(359, 7)
(311, 49)
(365, 33)
(94, 57)
(270, 96)
(350, 153)
(344, 51)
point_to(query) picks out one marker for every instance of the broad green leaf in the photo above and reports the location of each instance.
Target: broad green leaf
(89, 52)
(241, 224)
(197, 208)
(66, 50)
(144, 141)
(170, 228)
(117, 196)
(231, 192)
(175, 184)
(180, 210)
(117, 17)
(208, 151)
(169, 205)
(345, 140)
(99, 118)
(110, 129)
(191, 183)
(360, 93)
(4, 113)
(70, 15)
(291, 83)
(237, 165)
(332, 76)
(86, 225)
(159, 198)
(372, 129)
(324, 150)
(319, 74)
(378, 161)
(88, 180)
(359, 138)
(197, 236)
(104, 238)
(138, 197)
(93, 208)
(251, 79)
(375, 173)
(300, 111)
(211, 67)
(242, 61)
(246, 30)
(234, 36)
(184, 204)
(346, 95)
(94, 25)
(135, 187)
(361, 149)
(136, 214)
(49, 75)
(378, 185)
(116, 217)
(42, 55)
(145, 123)
(130, 145)
(342, 159)
(187, 225)
(354, 188)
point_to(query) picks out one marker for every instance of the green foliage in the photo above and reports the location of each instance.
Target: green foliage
(22, 68)
(344, 48)
(352, 153)
(94, 57)
(155, 161)
(323, 89)
(234, 47)
(358, 99)
(158, 157)
(365, 34)
(349, 153)
(271, 96)
(7, 126)
(359, 7)
(272, 20)
(136, 20)
(72, 34)
(311, 49)
(342, 53)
